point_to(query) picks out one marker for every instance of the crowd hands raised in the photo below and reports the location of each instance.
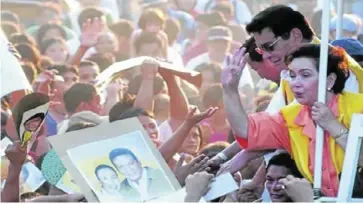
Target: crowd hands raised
(240, 121)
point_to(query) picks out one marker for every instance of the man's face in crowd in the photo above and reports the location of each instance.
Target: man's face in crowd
(151, 50)
(273, 48)
(128, 166)
(106, 43)
(87, 74)
(218, 47)
(274, 188)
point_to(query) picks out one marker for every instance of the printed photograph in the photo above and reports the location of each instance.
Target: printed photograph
(31, 178)
(121, 169)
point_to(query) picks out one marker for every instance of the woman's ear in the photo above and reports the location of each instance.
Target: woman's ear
(331, 81)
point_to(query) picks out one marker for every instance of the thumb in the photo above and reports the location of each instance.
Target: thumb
(180, 162)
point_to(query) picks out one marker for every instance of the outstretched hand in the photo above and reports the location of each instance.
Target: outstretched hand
(231, 75)
(193, 118)
(91, 30)
(198, 164)
(149, 69)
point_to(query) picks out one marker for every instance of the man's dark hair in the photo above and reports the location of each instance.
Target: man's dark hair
(285, 160)
(89, 13)
(120, 152)
(30, 71)
(103, 166)
(78, 93)
(119, 108)
(281, 20)
(103, 60)
(10, 16)
(213, 67)
(80, 126)
(147, 38)
(122, 28)
(135, 112)
(63, 68)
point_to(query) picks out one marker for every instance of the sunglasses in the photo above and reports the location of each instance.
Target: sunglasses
(269, 47)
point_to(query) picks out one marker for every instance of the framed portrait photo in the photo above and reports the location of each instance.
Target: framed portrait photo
(116, 162)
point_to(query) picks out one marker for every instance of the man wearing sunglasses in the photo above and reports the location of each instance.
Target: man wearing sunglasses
(278, 31)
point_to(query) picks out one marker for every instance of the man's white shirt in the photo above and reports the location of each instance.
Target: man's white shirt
(142, 186)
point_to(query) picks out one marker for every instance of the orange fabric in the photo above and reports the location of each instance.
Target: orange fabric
(272, 132)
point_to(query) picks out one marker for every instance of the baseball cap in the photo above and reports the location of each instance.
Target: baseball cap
(349, 23)
(219, 33)
(352, 46)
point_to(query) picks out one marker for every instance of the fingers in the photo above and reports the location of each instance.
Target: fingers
(203, 165)
(197, 160)
(180, 162)
(191, 112)
(212, 111)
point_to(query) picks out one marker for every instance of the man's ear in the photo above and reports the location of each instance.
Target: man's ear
(296, 36)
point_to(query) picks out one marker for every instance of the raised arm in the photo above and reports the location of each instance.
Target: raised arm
(145, 96)
(231, 75)
(172, 145)
(90, 32)
(178, 101)
(16, 156)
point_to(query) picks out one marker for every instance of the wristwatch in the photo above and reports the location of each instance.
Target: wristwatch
(222, 156)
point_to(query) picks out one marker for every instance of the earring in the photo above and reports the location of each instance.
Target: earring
(329, 89)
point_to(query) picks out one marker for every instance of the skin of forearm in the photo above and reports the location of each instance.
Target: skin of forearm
(178, 100)
(236, 114)
(144, 98)
(232, 150)
(50, 199)
(77, 58)
(10, 192)
(172, 145)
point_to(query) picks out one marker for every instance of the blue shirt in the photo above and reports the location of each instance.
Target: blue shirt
(51, 125)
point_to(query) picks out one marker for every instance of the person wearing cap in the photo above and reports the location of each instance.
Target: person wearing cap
(219, 43)
(353, 47)
(350, 26)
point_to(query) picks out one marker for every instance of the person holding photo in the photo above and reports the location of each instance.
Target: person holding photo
(110, 183)
(140, 183)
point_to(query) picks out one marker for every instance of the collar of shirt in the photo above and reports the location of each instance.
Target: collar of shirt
(142, 185)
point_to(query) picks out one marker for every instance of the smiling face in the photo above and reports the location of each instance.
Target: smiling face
(108, 178)
(87, 74)
(150, 126)
(33, 124)
(106, 43)
(304, 80)
(274, 48)
(274, 187)
(128, 166)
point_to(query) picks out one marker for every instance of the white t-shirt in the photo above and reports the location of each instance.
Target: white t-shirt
(203, 58)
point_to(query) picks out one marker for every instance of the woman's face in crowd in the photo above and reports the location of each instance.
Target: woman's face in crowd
(108, 178)
(33, 124)
(151, 50)
(191, 144)
(150, 127)
(58, 52)
(52, 33)
(106, 43)
(304, 80)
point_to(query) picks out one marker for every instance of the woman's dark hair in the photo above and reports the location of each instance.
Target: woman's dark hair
(30, 71)
(119, 108)
(29, 53)
(103, 166)
(147, 38)
(45, 28)
(44, 45)
(80, 126)
(18, 38)
(336, 59)
(9, 28)
(103, 60)
(151, 15)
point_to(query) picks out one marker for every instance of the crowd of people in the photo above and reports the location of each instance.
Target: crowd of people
(254, 115)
